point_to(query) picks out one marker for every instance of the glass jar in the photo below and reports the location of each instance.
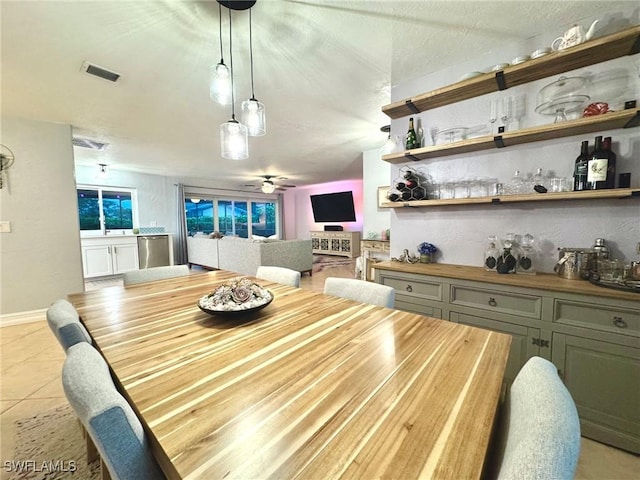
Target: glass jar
(508, 259)
(516, 185)
(527, 257)
(491, 254)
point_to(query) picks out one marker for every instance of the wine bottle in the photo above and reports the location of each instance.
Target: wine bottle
(412, 139)
(580, 171)
(601, 168)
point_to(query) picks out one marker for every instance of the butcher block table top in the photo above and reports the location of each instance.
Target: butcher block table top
(311, 387)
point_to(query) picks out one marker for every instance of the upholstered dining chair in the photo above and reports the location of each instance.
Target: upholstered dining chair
(360, 290)
(539, 430)
(110, 421)
(65, 324)
(156, 273)
(279, 275)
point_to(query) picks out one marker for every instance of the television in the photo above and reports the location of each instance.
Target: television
(333, 207)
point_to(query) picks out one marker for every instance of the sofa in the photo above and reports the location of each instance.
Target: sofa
(245, 256)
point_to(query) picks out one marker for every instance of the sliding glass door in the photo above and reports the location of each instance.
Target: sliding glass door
(232, 218)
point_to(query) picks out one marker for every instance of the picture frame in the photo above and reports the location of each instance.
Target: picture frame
(382, 195)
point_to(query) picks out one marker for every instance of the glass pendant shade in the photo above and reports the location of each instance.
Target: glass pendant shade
(253, 117)
(220, 84)
(234, 141)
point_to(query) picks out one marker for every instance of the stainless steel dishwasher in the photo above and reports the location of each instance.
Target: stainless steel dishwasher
(153, 251)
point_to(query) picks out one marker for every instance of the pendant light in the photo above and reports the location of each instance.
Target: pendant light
(219, 75)
(268, 186)
(233, 135)
(388, 145)
(252, 109)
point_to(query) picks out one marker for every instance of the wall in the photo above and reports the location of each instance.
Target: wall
(299, 220)
(375, 173)
(41, 256)
(461, 232)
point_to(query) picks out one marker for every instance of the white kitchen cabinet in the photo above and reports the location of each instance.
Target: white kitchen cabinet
(102, 256)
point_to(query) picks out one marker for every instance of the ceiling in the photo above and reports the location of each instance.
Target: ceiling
(323, 69)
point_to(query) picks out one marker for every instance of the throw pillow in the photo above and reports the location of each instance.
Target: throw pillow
(273, 237)
(258, 238)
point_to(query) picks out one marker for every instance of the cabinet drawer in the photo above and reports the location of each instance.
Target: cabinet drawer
(415, 288)
(427, 310)
(496, 301)
(602, 317)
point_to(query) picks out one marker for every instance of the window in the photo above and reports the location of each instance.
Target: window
(101, 210)
(231, 217)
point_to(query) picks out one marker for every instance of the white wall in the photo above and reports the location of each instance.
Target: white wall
(299, 220)
(461, 232)
(41, 256)
(375, 173)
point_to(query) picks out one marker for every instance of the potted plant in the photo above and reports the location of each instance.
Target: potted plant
(426, 251)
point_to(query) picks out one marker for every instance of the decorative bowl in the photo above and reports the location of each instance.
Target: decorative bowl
(237, 296)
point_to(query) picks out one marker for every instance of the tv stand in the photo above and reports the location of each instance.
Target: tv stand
(346, 244)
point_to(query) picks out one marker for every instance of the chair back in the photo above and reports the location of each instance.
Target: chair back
(156, 273)
(282, 275)
(114, 428)
(539, 432)
(65, 324)
(360, 291)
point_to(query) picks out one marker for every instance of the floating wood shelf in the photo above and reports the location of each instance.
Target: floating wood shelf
(608, 121)
(599, 50)
(533, 197)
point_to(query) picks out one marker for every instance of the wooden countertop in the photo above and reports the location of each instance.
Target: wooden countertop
(312, 386)
(541, 281)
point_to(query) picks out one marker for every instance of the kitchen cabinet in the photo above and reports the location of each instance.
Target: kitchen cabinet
(346, 244)
(102, 256)
(590, 333)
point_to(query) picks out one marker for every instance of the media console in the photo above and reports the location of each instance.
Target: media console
(346, 244)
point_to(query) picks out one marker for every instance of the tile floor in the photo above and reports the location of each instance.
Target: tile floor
(31, 360)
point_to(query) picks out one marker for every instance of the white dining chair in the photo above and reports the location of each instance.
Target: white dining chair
(539, 430)
(65, 324)
(282, 275)
(110, 421)
(134, 277)
(360, 290)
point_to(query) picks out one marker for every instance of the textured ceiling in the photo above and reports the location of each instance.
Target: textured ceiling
(322, 68)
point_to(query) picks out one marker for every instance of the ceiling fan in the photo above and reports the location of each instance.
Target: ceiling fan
(268, 185)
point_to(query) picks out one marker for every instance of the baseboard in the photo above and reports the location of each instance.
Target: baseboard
(20, 318)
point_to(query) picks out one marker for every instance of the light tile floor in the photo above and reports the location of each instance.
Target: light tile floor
(31, 361)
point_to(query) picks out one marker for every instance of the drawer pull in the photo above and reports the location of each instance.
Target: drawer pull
(409, 288)
(492, 302)
(619, 322)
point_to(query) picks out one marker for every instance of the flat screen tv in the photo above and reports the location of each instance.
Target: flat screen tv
(333, 207)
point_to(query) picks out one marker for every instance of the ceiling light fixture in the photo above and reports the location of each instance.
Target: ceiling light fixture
(219, 75)
(103, 170)
(388, 145)
(252, 110)
(195, 200)
(234, 143)
(268, 186)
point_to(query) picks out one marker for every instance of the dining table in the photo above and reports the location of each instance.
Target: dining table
(311, 386)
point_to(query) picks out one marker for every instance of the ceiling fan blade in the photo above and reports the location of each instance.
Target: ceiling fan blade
(288, 186)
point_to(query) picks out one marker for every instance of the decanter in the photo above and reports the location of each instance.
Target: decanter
(507, 260)
(527, 257)
(491, 255)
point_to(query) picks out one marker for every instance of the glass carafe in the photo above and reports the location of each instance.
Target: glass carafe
(527, 257)
(507, 260)
(491, 254)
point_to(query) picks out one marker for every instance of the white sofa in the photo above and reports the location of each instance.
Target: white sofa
(245, 256)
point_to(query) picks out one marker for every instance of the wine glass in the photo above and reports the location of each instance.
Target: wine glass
(493, 112)
(507, 110)
(433, 131)
(519, 108)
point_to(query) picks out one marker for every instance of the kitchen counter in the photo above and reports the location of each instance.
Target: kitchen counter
(541, 281)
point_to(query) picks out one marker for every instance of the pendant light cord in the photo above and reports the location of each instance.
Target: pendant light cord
(220, 19)
(233, 98)
(253, 95)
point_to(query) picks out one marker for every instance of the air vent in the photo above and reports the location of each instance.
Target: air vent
(100, 72)
(86, 143)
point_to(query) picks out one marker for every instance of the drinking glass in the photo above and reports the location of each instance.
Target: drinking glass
(519, 109)
(507, 110)
(493, 112)
(433, 131)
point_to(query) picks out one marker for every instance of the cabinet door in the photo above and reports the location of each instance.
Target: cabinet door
(96, 261)
(125, 257)
(523, 346)
(604, 381)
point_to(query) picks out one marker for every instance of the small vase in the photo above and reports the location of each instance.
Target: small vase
(425, 258)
